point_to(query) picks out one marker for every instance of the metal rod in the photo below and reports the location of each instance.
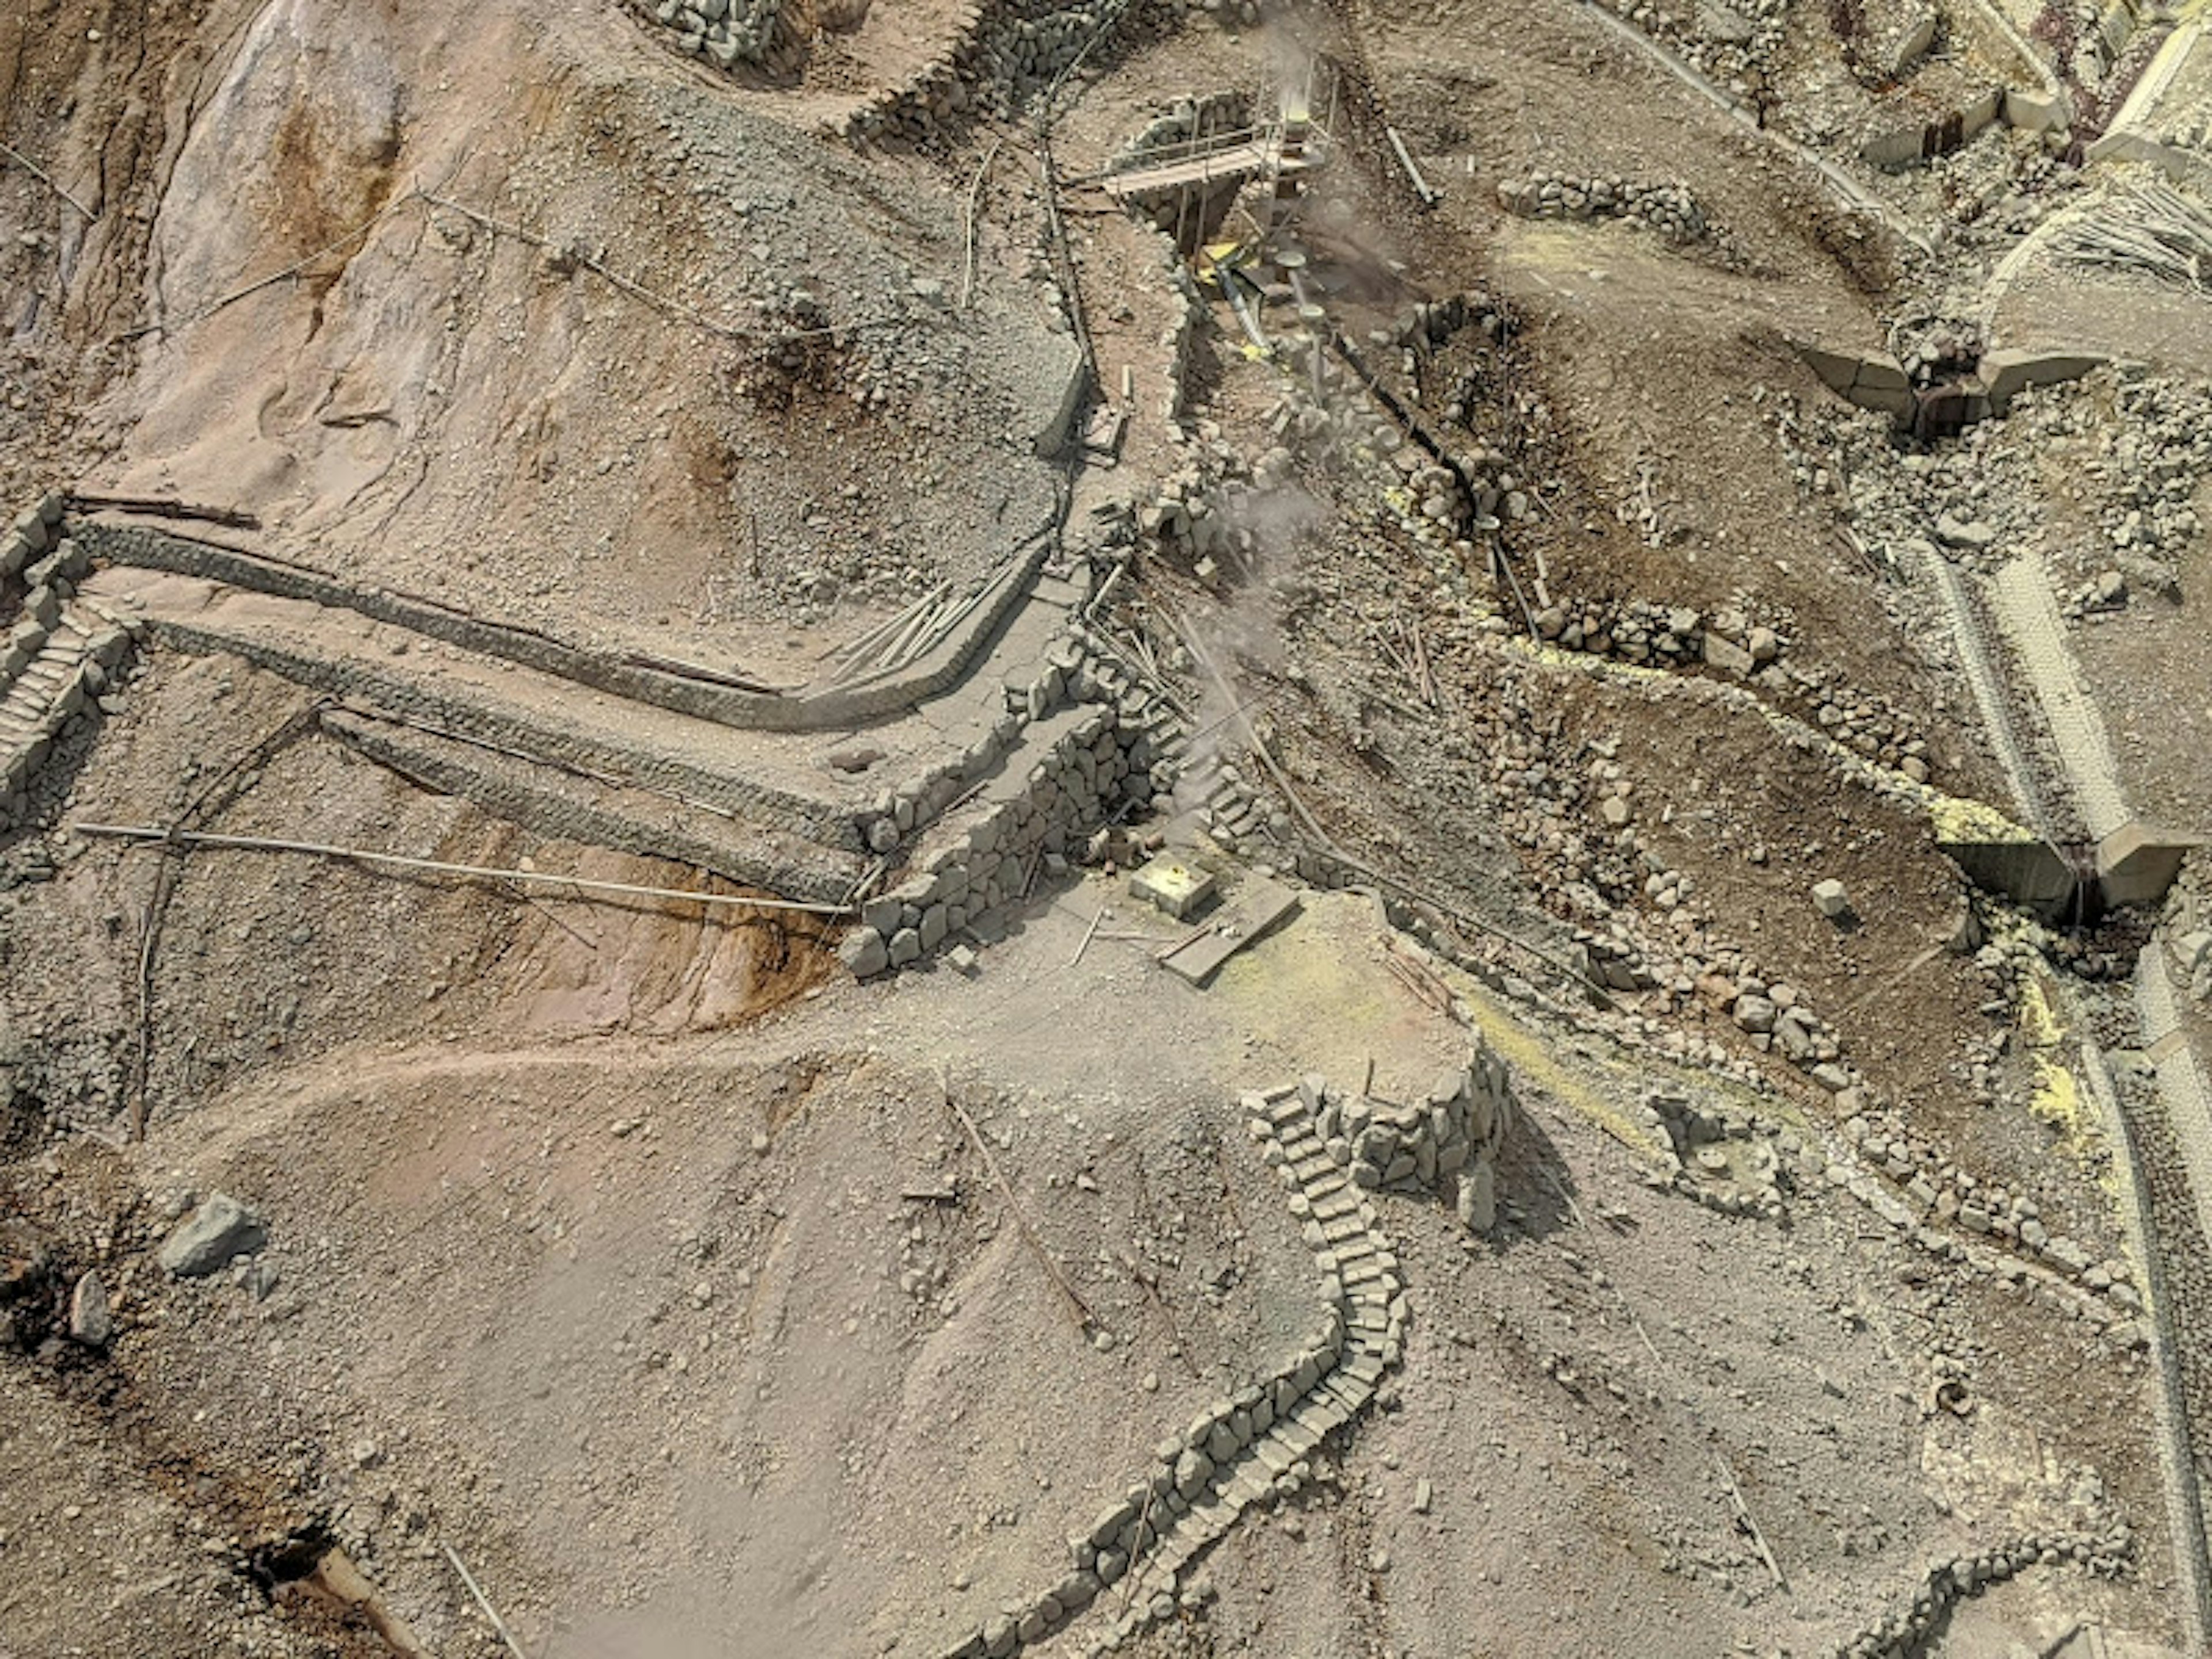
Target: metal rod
(45, 177)
(490, 1611)
(192, 838)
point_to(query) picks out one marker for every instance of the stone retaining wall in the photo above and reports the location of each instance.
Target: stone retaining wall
(1247, 1449)
(842, 707)
(58, 657)
(548, 803)
(1452, 1136)
(1083, 765)
(1079, 741)
(827, 826)
(770, 35)
(1001, 51)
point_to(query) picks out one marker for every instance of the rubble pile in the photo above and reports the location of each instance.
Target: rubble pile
(1729, 1162)
(2002, 185)
(2135, 448)
(767, 34)
(1670, 208)
(1944, 347)
(1724, 42)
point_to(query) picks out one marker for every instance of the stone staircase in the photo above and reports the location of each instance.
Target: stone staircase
(56, 662)
(1246, 1451)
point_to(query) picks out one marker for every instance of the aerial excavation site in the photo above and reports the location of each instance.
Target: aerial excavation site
(1296, 829)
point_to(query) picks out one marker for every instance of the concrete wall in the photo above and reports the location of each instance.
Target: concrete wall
(1872, 380)
(2030, 873)
(2136, 863)
(2008, 374)
(839, 708)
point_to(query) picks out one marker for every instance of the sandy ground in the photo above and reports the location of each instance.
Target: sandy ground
(640, 1259)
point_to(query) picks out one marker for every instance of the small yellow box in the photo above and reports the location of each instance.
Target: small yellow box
(1174, 886)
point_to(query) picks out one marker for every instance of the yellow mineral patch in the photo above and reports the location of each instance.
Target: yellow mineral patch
(1958, 817)
(2040, 1027)
(1953, 818)
(2057, 1100)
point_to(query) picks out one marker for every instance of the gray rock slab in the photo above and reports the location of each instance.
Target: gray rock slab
(208, 1238)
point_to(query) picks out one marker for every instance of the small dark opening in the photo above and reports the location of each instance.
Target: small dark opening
(287, 1560)
(2086, 907)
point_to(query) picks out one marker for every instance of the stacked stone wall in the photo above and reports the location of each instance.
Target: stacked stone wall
(1248, 1449)
(725, 705)
(59, 658)
(768, 35)
(984, 861)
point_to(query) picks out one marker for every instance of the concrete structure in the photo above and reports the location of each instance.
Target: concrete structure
(2008, 373)
(2032, 873)
(2137, 864)
(1872, 380)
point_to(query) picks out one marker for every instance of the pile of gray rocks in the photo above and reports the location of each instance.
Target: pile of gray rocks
(1727, 1161)
(2134, 448)
(1451, 1135)
(1670, 208)
(765, 34)
(1910, 1630)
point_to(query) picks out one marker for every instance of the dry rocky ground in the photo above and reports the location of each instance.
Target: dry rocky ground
(1570, 696)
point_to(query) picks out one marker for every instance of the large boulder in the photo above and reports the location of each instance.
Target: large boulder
(207, 1239)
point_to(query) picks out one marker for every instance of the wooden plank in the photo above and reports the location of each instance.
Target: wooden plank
(1259, 904)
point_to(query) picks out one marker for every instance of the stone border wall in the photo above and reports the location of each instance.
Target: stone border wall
(547, 803)
(1911, 1631)
(58, 659)
(1046, 776)
(1002, 51)
(831, 827)
(843, 707)
(1670, 208)
(1451, 1135)
(1248, 1449)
